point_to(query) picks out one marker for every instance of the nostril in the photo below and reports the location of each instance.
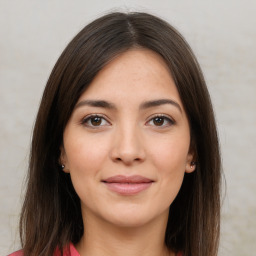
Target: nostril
(120, 159)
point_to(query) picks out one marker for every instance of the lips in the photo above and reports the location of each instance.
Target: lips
(127, 185)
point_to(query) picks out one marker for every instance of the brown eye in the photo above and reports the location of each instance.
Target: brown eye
(158, 121)
(96, 121)
(161, 121)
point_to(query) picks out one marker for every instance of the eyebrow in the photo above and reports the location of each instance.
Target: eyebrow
(144, 105)
(96, 103)
(155, 103)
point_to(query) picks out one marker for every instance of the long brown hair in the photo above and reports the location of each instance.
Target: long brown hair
(51, 213)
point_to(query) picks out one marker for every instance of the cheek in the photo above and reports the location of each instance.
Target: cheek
(85, 158)
(170, 154)
(85, 154)
(169, 157)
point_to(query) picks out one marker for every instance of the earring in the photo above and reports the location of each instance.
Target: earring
(192, 164)
(62, 166)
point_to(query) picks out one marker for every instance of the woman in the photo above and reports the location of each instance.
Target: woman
(125, 156)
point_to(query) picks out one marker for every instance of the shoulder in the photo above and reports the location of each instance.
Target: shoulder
(73, 252)
(18, 253)
(69, 250)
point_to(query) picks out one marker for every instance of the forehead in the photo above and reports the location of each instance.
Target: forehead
(133, 76)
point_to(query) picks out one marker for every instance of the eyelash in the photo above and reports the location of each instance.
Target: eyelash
(90, 117)
(169, 120)
(161, 116)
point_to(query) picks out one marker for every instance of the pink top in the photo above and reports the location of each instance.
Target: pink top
(73, 252)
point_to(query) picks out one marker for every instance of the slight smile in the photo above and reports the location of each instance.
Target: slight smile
(127, 185)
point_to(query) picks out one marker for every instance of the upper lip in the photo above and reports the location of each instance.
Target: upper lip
(127, 179)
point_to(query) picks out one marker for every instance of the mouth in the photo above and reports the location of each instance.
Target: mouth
(127, 185)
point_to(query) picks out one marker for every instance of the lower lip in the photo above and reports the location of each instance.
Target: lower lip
(128, 188)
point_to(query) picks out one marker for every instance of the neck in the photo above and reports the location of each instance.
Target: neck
(102, 238)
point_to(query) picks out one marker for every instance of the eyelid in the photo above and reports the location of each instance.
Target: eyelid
(87, 118)
(166, 117)
(169, 119)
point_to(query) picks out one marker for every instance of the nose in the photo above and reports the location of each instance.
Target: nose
(128, 146)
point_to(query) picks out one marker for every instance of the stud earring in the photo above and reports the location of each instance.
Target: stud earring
(62, 166)
(192, 165)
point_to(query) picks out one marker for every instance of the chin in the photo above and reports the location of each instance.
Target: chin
(131, 218)
(130, 222)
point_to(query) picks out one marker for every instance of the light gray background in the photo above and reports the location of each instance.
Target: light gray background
(223, 36)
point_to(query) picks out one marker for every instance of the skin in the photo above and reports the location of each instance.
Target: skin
(127, 140)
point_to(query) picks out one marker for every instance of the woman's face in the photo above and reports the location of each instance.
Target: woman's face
(126, 145)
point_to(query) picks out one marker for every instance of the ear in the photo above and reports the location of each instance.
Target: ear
(191, 163)
(63, 160)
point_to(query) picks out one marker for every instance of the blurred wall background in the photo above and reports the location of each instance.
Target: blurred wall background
(223, 37)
